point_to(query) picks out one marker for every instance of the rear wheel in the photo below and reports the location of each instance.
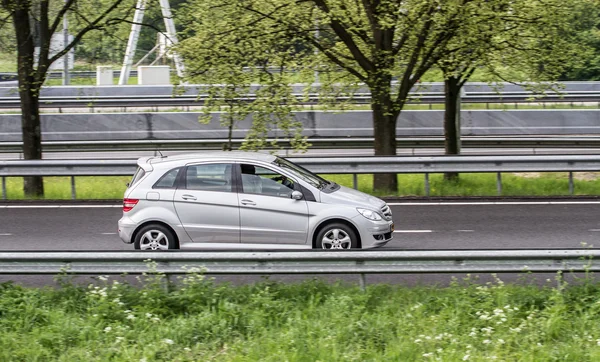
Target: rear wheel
(337, 236)
(154, 237)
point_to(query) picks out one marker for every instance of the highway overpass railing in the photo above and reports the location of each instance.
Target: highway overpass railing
(425, 165)
(301, 262)
(316, 143)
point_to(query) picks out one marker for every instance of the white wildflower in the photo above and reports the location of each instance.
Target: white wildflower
(107, 329)
(168, 341)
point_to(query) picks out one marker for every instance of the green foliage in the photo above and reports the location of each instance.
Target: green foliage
(586, 22)
(229, 63)
(469, 320)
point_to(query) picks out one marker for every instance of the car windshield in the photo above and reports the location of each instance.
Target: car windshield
(301, 173)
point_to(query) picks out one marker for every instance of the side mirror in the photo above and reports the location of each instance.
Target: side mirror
(297, 195)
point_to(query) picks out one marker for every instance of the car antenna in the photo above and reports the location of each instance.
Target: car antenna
(160, 153)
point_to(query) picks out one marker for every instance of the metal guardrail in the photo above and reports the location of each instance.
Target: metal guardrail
(302, 262)
(335, 165)
(194, 100)
(317, 143)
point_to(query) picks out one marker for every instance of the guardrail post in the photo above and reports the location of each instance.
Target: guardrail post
(499, 183)
(426, 184)
(73, 193)
(362, 280)
(4, 196)
(355, 181)
(571, 185)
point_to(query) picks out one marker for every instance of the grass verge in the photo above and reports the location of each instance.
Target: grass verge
(311, 321)
(547, 184)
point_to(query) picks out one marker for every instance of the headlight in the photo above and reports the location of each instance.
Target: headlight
(370, 214)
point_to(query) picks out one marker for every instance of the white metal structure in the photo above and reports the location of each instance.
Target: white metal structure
(138, 17)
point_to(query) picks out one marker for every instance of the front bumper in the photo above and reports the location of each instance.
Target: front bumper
(374, 234)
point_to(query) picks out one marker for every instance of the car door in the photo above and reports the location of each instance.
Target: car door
(268, 214)
(207, 203)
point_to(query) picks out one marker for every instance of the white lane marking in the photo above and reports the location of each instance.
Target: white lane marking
(453, 203)
(594, 230)
(5, 234)
(465, 231)
(413, 231)
(109, 233)
(59, 206)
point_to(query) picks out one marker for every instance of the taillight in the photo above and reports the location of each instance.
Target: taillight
(128, 204)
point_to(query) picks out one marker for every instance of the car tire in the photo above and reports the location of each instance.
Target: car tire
(336, 236)
(154, 237)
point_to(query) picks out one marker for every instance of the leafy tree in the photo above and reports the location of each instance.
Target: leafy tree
(229, 64)
(585, 20)
(46, 17)
(373, 42)
(529, 36)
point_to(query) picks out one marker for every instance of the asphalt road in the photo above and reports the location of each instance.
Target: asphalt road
(419, 225)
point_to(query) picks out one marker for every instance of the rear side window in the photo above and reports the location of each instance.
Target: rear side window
(168, 180)
(209, 177)
(137, 176)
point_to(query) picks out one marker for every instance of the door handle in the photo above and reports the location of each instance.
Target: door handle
(248, 202)
(188, 197)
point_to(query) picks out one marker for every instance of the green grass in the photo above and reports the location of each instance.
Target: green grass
(59, 188)
(199, 320)
(548, 184)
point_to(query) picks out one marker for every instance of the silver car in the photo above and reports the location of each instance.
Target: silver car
(245, 200)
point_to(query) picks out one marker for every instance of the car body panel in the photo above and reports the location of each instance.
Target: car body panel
(209, 216)
(272, 220)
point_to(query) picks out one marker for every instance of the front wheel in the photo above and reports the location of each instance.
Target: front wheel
(154, 237)
(337, 236)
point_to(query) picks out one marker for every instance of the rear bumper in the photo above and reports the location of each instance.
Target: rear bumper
(126, 229)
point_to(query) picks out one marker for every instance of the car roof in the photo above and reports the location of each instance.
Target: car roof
(206, 156)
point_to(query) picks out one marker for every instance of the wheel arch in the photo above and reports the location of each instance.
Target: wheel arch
(335, 221)
(161, 223)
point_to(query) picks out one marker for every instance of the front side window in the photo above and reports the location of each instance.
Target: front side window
(209, 177)
(264, 181)
(301, 173)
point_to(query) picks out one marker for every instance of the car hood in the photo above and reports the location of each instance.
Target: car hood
(348, 196)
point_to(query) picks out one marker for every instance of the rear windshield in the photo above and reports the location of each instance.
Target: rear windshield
(137, 176)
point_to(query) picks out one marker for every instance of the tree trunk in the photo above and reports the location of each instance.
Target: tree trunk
(452, 87)
(32, 138)
(384, 128)
(29, 89)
